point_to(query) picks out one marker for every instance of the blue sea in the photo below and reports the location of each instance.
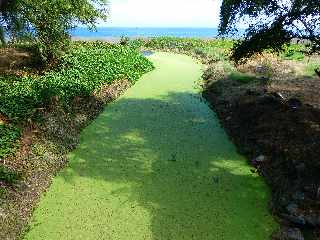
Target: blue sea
(116, 32)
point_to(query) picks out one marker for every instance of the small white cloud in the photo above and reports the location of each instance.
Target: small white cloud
(164, 13)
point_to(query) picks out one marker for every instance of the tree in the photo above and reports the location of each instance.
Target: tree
(48, 22)
(272, 24)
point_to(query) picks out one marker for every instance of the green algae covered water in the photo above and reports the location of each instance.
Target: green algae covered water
(156, 165)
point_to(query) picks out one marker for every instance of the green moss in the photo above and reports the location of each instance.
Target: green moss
(156, 164)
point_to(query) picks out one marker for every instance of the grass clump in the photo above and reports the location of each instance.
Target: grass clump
(8, 139)
(310, 69)
(8, 176)
(293, 52)
(243, 78)
(3, 193)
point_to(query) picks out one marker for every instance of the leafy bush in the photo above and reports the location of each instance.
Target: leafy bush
(293, 52)
(48, 23)
(188, 44)
(8, 140)
(84, 69)
(216, 49)
(81, 71)
(8, 176)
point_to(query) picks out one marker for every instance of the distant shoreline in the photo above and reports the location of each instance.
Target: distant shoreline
(114, 34)
(117, 39)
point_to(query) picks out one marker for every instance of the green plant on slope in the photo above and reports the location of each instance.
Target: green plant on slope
(293, 52)
(8, 139)
(85, 68)
(8, 176)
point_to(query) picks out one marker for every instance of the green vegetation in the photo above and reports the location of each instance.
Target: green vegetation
(216, 49)
(83, 70)
(3, 193)
(242, 77)
(310, 68)
(8, 140)
(293, 52)
(272, 24)
(8, 176)
(213, 49)
(156, 165)
(47, 23)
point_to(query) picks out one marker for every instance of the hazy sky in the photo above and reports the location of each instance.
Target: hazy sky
(164, 13)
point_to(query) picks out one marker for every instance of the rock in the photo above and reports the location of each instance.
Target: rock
(318, 193)
(294, 103)
(313, 220)
(294, 234)
(269, 100)
(292, 209)
(300, 220)
(260, 69)
(260, 159)
(301, 167)
(250, 92)
(279, 96)
(299, 196)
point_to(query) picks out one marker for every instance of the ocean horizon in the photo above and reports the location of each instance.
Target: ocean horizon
(144, 32)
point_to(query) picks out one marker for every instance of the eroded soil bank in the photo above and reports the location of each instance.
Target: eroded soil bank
(276, 123)
(156, 164)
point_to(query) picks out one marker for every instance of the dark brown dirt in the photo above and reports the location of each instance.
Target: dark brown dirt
(44, 146)
(17, 61)
(277, 125)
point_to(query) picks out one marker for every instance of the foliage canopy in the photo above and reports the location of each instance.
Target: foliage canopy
(272, 24)
(48, 22)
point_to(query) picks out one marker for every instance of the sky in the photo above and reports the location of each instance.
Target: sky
(163, 13)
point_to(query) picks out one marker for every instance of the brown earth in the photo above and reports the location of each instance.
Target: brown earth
(17, 61)
(275, 121)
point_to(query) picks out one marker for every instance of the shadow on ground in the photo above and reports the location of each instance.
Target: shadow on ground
(156, 169)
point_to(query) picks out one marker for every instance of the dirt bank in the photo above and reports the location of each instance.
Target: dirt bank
(275, 121)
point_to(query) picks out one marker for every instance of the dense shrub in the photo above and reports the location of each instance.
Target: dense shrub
(82, 70)
(8, 176)
(8, 139)
(190, 44)
(293, 52)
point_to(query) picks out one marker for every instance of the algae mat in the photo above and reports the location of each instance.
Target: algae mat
(156, 165)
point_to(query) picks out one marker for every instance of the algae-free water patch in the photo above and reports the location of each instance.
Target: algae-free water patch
(156, 165)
